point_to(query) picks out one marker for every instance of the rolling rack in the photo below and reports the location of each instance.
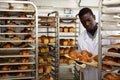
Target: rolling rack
(69, 30)
(109, 20)
(18, 31)
(48, 46)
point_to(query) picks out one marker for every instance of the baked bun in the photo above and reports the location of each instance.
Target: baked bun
(86, 53)
(112, 50)
(11, 23)
(21, 74)
(65, 29)
(61, 51)
(47, 68)
(71, 29)
(108, 59)
(29, 23)
(29, 37)
(8, 45)
(95, 58)
(5, 75)
(73, 54)
(25, 30)
(39, 40)
(110, 76)
(61, 29)
(41, 60)
(22, 16)
(9, 31)
(40, 69)
(11, 60)
(5, 68)
(71, 42)
(106, 67)
(66, 50)
(24, 60)
(85, 58)
(45, 40)
(15, 38)
(24, 52)
(51, 39)
(23, 67)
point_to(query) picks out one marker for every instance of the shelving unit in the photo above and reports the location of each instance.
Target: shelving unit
(48, 46)
(17, 49)
(69, 30)
(109, 22)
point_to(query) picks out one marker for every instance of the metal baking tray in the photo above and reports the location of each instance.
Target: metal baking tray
(111, 46)
(111, 54)
(22, 26)
(28, 63)
(112, 64)
(111, 27)
(12, 71)
(46, 26)
(16, 33)
(16, 40)
(16, 18)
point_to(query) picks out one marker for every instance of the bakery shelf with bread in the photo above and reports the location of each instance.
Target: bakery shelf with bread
(18, 40)
(110, 54)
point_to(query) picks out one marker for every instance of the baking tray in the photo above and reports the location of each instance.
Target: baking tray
(111, 54)
(22, 26)
(16, 40)
(18, 48)
(16, 18)
(111, 2)
(112, 37)
(16, 33)
(112, 27)
(93, 63)
(111, 46)
(112, 64)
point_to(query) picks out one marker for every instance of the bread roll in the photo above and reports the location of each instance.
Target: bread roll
(9, 31)
(61, 29)
(106, 67)
(71, 42)
(24, 60)
(41, 60)
(110, 76)
(86, 53)
(112, 50)
(51, 39)
(6, 68)
(24, 52)
(39, 40)
(71, 29)
(108, 59)
(21, 74)
(40, 69)
(5, 75)
(11, 60)
(47, 68)
(65, 29)
(23, 67)
(8, 45)
(15, 38)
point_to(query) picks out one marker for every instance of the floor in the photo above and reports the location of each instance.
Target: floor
(66, 72)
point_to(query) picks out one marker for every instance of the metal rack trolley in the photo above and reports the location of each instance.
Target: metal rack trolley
(48, 26)
(10, 13)
(109, 21)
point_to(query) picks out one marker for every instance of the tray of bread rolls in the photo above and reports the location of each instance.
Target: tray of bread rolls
(84, 57)
(16, 68)
(16, 76)
(112, 37)
(17, 61)
(22, 26)
(16, 54)
(111, 63)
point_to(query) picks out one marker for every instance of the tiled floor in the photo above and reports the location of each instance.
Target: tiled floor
(66, 72)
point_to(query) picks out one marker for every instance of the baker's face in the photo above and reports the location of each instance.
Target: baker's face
(88, 21)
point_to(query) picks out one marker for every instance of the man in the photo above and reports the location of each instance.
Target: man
(88, 40)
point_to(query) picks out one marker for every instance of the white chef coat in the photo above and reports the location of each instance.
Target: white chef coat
(91, 45)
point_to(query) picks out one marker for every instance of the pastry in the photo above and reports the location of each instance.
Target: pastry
(51, 39)
(85, 58)
(61, 29)
(95, 58)
(71, 29)
(73, 54)
(23, 67)
(6, 68)
(86, 53)
(47, 68)
(61, 51)
(9, 31)
(11, 60)
(47, 59)
(40, 69)
(112, 50)
(8, 45)
(41, 60)
(71, 42)
(21, 74)
(24, 52)
(45, 40)
(110, 76)
(108, 59)
(22, 16)
(15, 38)
(5, 75)
(66, 50)
(24, 60)
(29, 37)
(65, 29)
(39, 40)
(106, 67)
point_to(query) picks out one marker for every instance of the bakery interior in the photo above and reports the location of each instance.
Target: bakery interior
(38, 39)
